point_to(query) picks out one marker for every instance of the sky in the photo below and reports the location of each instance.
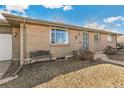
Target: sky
(105, 17)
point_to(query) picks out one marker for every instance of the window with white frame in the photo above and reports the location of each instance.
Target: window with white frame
(59, 36)
(110, 38)
(96, 37)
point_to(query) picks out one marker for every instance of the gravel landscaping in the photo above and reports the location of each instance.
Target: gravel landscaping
(42, 72)
(103, 75)
(119, 56)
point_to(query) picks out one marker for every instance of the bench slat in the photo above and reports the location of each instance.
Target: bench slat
(38, 53)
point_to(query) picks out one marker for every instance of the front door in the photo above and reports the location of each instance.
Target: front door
(85, 40)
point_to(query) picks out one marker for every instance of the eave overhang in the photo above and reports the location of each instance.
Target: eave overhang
(16, 20)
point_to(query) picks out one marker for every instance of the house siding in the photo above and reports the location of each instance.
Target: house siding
(102, 43)
(38, 38)
(16, 44)
(120, 39)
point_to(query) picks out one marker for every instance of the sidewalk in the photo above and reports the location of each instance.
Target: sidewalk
(105, 58)
(3, 67)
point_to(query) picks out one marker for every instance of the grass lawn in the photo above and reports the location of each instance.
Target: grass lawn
(103, 75)
(119, 56)
(70, 73)
(41, 72)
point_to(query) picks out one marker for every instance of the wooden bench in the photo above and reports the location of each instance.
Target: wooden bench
(40, 54)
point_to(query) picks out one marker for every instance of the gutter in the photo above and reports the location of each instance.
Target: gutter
(54, 24)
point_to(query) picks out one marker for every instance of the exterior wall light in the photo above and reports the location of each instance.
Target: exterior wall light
(14, 34)
(78, 35)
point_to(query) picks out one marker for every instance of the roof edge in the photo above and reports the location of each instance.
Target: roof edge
(38, 21)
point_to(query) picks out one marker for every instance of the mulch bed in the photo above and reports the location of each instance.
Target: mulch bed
(40, 72)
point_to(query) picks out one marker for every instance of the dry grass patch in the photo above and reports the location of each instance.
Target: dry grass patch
(103, 75)
(119, 56)
(40, 72)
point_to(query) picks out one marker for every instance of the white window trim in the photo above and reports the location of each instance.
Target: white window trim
(67, 37)
(99, 37)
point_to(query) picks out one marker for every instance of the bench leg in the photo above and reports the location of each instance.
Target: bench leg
(50, 57)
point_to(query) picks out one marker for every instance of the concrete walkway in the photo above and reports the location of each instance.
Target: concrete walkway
(3, 67)
(105, 58)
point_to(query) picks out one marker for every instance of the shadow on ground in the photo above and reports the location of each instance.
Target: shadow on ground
(40, 72)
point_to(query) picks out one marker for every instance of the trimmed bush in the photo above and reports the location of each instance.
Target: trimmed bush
(85, 54)
(110, 50)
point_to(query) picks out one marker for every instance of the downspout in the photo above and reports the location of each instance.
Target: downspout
(24, 30)
(21, 45)
(116, 41)
(50, 48)
(23, 48)
(22, 42)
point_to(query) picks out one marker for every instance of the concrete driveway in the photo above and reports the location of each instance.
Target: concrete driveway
(4, 66)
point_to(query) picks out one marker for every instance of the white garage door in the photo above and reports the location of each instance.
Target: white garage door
(5, 47)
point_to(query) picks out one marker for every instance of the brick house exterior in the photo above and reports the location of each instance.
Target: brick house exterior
(30, 35)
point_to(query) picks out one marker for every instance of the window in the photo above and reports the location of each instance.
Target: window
(110, 38)
(59, 36)
(96, 37)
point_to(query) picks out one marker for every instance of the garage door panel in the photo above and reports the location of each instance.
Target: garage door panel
(5, 47)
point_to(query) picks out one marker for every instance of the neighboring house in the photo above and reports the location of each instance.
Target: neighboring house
(22, 35)
(120, 39)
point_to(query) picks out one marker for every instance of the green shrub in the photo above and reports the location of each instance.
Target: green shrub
(110, 50)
